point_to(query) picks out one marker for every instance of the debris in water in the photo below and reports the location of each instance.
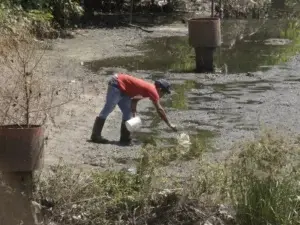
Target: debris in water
(277, 41)
(184, 141)
(132, 170)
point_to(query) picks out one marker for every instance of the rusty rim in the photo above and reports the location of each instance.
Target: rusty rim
(16, 126)
(205, 18)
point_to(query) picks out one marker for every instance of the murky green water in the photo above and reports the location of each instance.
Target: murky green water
(179, 100)
(248, 46)
(160, 54)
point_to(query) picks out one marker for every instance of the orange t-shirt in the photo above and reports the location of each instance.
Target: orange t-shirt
(133, 86)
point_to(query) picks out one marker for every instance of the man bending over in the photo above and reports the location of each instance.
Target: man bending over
(125, 91)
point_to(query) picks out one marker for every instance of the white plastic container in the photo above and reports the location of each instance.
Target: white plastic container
(184, 140)
(134, 124)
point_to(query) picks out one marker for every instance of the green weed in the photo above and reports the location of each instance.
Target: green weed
(264, 182)
(179, 99)
(260, 180)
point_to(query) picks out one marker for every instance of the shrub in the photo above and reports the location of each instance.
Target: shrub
(260, 180)
(112, 197)
(265, 182)
(66, 13)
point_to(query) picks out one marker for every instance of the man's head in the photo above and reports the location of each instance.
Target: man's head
(162, 86)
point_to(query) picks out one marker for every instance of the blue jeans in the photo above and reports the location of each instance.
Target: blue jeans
(114, 97)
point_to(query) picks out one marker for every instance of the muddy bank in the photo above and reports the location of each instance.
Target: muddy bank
(68, 139)
(227, 107)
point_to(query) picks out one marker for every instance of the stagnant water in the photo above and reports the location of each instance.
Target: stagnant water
(226, 109)
(254, 92)
(248, 45)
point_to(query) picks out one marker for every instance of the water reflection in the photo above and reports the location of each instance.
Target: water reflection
(248, 46)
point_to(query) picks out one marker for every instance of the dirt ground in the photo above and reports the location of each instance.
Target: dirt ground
(68, 139)
(238, 110)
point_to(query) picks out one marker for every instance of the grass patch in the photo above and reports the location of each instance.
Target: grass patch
(265, 182)
(186, 57)
(120, 197)
(179, 99)
(290, 32)
(258, 182)
(156, 156)
(41, 16)
(200, 142)
(99, 198)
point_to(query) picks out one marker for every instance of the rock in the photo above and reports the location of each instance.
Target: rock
(132, 170)
(277, 41)
(213, 220)
(36, 212)
(226, 214)
(207, 223)
(52, 223)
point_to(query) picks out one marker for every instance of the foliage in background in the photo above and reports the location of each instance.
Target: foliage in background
(244, 9)
(13, 19)
(68, 13)
(40, 14)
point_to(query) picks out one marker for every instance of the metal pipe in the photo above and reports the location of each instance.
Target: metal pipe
(131, 12)
(212, 7)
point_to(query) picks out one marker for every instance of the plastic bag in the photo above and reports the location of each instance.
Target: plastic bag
(184, 140)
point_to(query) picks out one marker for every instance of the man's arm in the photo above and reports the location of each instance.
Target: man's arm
(162, 114)
(134, 102)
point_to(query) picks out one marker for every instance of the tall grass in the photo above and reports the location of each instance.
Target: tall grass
(265, 182)
(260, 181)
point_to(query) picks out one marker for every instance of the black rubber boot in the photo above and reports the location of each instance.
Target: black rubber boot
(125, 137)
(97, 129)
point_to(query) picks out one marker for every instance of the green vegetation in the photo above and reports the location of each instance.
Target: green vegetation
(265, 182)
(40, 17)
(179, 99)
(291, 32)
(185, 57)
(260, 181)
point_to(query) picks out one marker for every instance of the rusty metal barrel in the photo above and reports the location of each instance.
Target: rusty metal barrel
(21, 148)
(204, 32)
(205, 37)
(21, 152)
